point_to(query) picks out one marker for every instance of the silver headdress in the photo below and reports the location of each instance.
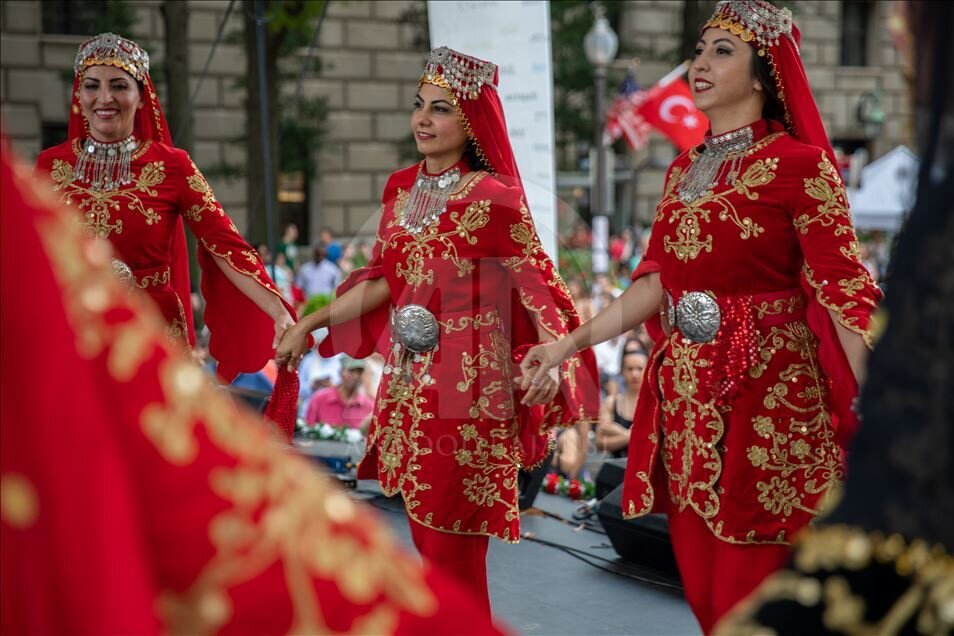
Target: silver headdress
(464, 75)
(112, 50)
(753, 20)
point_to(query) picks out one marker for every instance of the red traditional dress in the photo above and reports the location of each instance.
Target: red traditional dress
(140, 500)
(446, 429)
(743, 431)
(143, 219)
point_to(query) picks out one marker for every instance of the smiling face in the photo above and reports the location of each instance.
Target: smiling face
(110, 98)
(723, 84)
(439, 135)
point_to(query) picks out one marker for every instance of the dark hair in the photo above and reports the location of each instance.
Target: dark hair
(773, 108)
(474, 162)
(625, 353)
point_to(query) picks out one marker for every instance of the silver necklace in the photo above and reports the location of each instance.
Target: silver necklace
(105, 166)
(428, 199)
(705, 172)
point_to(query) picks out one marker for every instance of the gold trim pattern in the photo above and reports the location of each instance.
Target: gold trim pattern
(98, 205)
(262, 485)
(814, 582)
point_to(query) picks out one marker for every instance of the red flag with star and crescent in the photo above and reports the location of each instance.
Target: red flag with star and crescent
(671, 111)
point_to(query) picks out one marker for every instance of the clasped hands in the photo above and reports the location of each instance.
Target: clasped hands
(539, 369)
(291, 343)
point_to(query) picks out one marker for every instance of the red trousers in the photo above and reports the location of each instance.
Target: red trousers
(715, 574)
(462, 556)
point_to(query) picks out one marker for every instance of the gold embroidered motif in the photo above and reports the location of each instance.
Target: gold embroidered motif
(833, 208)
(778, 307)
(98, 205)
(687, 414)
(928, 571)
(422, 246)
(474, 322)
(805, 446)
(250, 256)
(157, 279)
(688, 242)
(197, 183)
(849, 322)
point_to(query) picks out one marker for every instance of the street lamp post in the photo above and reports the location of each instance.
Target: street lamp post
(600, 45)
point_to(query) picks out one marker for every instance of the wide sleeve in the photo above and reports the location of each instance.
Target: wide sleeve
(833, 277)
(540, 299)
(241, 334)
(369, 333)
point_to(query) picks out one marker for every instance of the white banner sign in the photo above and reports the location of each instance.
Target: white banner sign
(516, 37)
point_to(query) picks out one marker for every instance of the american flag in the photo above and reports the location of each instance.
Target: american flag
(623, 118)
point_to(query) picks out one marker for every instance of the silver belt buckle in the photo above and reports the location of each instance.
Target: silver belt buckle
(698, 317)
(415, 327)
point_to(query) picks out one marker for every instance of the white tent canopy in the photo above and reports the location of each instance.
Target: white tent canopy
(887, 191)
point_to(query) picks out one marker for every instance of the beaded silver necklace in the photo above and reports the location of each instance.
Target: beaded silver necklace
(428, 199)
(105, 166)
(722, 151)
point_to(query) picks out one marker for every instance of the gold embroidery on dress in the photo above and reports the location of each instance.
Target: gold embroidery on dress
(780, 306)
(422, 246)
(849, 322)
(197, 183)
(928, 571)
(88, 292)
(250, 256)
(98, 205)
(688, 243)
(265, 484)
(833, 209)
(686, 414)
(157, 279)
(474, 322)
(804, 448)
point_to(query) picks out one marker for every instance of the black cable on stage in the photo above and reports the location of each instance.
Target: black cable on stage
(585, 557)
(205, 70)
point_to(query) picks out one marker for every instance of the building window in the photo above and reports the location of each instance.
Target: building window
(53, 134)
(293, 201)
(855, 25)
(70, 17)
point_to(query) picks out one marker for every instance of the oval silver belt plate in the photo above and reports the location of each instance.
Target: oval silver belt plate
(415, 327)
(698, 316)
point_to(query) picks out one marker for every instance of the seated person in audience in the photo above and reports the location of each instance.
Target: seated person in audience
(343, 405)
(572, 447)
(616, 416)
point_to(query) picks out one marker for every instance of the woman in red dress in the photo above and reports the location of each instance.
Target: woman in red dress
(139, 499)
(763, 321)
(135, 189)
(460, 276)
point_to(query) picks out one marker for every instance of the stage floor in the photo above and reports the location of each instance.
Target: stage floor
(538, 588)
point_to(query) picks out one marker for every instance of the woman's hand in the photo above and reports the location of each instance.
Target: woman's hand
(539, 368)
(291, 349)
(282, 323)
(545, 391)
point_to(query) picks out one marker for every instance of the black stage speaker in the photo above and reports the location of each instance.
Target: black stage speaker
(529, 482)
(644, 540)
(610, 476)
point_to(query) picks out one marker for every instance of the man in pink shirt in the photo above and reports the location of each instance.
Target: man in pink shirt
(345, 404)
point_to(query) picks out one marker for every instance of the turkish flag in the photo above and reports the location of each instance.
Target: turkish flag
(671, 111)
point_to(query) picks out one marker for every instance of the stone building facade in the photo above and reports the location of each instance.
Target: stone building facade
(372, 55)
